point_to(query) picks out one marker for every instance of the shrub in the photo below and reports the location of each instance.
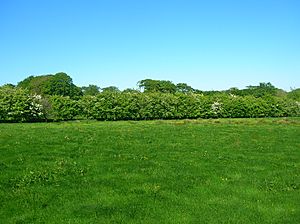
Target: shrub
(18, 105)
(64, 108)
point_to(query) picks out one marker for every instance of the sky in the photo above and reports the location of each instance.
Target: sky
(208, 44)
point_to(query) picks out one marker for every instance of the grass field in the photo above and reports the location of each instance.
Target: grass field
(201, 171)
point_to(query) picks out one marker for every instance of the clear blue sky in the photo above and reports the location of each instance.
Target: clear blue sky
(209, 44)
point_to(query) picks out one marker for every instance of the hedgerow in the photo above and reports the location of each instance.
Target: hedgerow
(18, 105)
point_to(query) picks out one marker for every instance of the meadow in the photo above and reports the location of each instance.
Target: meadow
(180, 171)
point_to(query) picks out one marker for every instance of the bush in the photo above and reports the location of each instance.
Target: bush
(64, 108)
(18, 105)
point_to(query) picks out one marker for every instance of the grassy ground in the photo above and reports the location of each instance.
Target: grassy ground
(203, 171)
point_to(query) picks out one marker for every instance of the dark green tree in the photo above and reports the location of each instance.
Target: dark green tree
(294, 94)
(110, 89)
(234, 91)
(163, 86)
(129, 90)
(9, 85)
(62, 85)
(184, 88)
(90, 90)
(261, 90)
(36, 84)
(59, 84)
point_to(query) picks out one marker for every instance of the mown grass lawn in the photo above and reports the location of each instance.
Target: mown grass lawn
(188, 171)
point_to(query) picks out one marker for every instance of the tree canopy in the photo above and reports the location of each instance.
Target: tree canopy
(56, 97)
(62, 84)
(59, 84)
(111, 89)
(163, 86)
(90, 90)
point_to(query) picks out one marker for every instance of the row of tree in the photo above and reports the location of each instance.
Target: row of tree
(18, 105)
(61, 84)
(56, 97)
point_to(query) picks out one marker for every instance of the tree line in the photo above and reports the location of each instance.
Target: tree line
(56, 97)
(61, 84)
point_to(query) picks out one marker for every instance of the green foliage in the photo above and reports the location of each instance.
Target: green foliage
(64, 108)
(294, 94)
(9, 85)
(163, 86)
(130, 90)
(139, 106)
(91, 90)
(59, 84)
(184, 88)
(110, 105)
(36, 85)
(18, 105)
(110, 89)
(160, 100)
(263, 89)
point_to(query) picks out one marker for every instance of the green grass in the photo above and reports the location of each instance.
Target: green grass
(187, 171)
